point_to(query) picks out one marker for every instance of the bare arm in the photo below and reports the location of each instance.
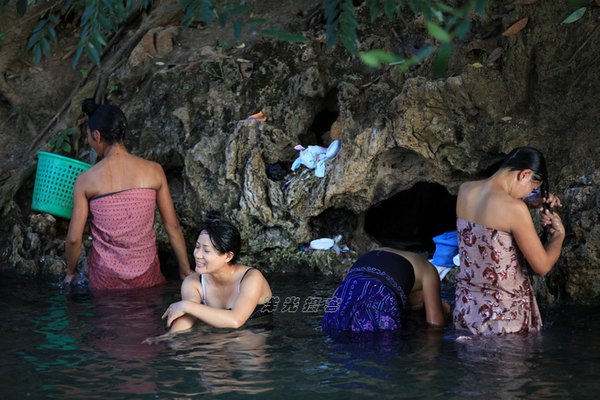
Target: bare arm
(540, 257)
(435, 311)
(243, 307)
(76, 228)
(191, 290)
(171, 224)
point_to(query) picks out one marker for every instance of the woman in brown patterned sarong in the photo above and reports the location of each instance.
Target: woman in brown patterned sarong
(497, 239)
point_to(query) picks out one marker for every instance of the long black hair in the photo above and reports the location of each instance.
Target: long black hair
(224, 236)
(528, 158)
(107, 119)
(531, 158)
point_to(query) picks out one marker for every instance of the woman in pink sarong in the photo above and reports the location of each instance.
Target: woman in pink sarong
(497, 239)
(121, 193)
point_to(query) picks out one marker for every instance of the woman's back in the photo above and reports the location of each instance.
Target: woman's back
(119, 171)
(120, 194)
(485, 204)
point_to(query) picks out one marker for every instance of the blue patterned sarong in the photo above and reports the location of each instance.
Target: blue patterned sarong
(362, 303)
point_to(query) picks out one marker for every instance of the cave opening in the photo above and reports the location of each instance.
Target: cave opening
(334, 221)
(411, 218)
(318, 134)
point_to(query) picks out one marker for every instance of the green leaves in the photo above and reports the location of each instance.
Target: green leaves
(100, 19)
(61, 143)
(202, 10)
(575, 15)
(42, 35)
(443, 22)
(341, 23)
(440, 63)
(378, 58)
(438, 32)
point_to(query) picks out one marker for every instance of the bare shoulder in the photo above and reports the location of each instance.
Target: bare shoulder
(150, 172)
(88, 180)
(85, 176)
(191, 281)
(148, 164)
(518, 213)
(253, 273)
(254, 279)
(466, 187)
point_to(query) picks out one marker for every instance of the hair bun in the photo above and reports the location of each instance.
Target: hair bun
(89, 106)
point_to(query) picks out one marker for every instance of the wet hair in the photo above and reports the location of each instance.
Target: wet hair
(107, 119)
(528, 158)
(224, 236)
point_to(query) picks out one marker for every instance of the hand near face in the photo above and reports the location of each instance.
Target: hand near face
(553, 220)
(552, 201)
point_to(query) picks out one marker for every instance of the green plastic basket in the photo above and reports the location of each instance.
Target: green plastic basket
(54, 180)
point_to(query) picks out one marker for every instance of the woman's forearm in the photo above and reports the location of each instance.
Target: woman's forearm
(213, 316)
(73, 251)
(180, 249)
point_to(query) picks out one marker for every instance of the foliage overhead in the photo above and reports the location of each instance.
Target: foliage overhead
(100, 20)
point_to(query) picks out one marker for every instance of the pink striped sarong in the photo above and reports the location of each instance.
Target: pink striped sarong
(124, 253)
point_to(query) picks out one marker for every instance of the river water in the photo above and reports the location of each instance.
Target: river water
(70, 344)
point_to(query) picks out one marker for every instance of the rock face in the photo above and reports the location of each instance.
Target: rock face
(398, 132)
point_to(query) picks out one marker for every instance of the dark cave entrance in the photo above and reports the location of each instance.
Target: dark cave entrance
(410, 219)
(319, 132)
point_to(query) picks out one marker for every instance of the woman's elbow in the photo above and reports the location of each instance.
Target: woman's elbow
(73, 241)
(543, 270)
(236, 323)
(173, 228)
(231, 324)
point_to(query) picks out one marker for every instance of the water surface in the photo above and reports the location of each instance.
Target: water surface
(71, 344)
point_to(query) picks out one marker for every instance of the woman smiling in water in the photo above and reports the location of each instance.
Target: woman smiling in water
(222, 292)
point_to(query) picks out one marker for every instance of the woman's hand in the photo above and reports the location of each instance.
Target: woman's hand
(552, 202)
(184, 272)
(174, 311)
(554, 222)
(157, 339)
(69, 278)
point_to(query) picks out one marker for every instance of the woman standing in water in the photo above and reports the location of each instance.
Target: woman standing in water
(497, 239)
(222, 292)
(121, 193)
(378, 287)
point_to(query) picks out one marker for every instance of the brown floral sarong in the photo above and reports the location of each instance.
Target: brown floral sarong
(493, 290)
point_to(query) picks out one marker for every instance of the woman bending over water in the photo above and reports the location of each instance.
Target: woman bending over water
(379, 286)
(121, 193)
(221, 292)
(497, 239)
